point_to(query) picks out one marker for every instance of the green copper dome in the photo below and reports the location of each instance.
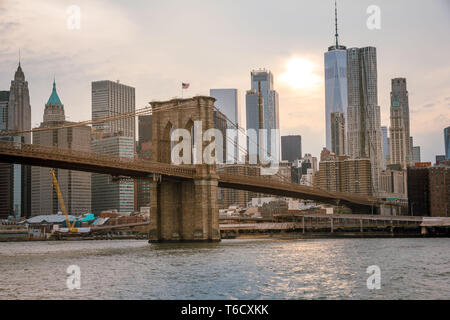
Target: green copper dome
(54, 98)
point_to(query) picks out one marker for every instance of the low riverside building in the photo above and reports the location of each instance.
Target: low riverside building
(41, 227)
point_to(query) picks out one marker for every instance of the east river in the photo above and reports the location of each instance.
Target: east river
(233, 269)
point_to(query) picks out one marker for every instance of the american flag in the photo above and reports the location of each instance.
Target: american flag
(184, 85)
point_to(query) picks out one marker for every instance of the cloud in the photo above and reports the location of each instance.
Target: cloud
(100, 49)
(8, 26)
(155, 45)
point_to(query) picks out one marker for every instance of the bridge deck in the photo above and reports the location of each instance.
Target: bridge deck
(45, 156)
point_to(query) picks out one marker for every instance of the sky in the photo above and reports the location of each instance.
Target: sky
(155, 45)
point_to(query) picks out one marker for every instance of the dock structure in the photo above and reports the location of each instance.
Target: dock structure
(337, 224)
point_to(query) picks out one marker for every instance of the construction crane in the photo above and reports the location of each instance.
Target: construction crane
(61, 203)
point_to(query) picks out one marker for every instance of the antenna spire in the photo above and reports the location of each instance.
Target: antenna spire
(19, 57)
(336, 24)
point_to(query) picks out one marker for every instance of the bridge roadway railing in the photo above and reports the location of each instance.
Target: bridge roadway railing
(275, 183)
(142, 168)
(18, 149)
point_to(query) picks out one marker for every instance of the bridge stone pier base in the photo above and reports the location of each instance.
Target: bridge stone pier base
(185, 211)
(182, 210)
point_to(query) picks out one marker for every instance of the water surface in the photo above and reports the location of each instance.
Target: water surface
(232, 269)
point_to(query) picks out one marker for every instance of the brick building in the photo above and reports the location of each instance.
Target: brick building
(341, 174)
(429, 191)
(439, 184)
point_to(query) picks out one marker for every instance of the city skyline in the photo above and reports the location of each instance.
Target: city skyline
(210, 151)
(77, 63)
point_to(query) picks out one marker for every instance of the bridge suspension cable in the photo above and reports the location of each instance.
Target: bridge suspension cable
(279, 175)
(137, 112)
(243, 149)
(147, 110)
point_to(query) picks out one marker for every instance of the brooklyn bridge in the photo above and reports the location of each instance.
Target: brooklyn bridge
(183, 197)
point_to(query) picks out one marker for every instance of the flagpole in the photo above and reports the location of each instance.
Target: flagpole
(184, 86)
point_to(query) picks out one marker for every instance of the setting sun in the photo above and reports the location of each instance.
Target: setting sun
(300, 74)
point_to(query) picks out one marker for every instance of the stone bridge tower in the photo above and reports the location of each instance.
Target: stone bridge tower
(183, 210)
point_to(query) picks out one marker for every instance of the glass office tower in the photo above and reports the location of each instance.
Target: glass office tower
(335, 86)
(228, 103)
(271, 106)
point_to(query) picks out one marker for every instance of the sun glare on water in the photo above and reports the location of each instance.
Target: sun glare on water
(300, 74)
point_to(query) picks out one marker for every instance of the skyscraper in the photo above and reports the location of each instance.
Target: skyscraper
(447, 142)
(6, 207)
(386, 146)
(19, 109)
(335, 83)
(108, 194)
(338, 133)
(115, 138)
(263, 79)
(291, 148)
(145, 137)
(397, 134)
(416, 154)
(75, 185)
(15, 180)
(144, 152)
(252, 116)
(4, 101)
(15, 199)
(228, 102)
(111, 99)
(363, 112)
(399, 97)
(411, 144)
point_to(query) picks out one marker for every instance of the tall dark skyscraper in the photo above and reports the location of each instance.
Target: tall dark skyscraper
(447, 142)
(6, 169)
(144, 130)
(4, 102)
(144, 152)
(291, 148)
